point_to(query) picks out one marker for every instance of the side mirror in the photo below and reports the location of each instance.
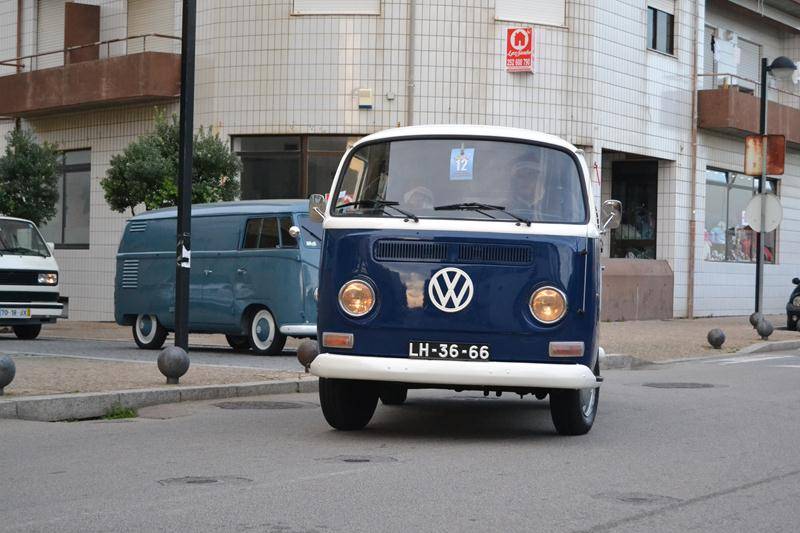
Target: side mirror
(611, 215)
(51, 246)
(796, 281)
(316, 207)
(294, 231)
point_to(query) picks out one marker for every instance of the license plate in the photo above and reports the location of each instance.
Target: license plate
(448, 350)
(15, 312)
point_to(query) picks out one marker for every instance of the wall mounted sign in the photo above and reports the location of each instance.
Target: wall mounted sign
(519, 49)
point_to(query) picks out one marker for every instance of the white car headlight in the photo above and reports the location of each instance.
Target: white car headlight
(48, 278)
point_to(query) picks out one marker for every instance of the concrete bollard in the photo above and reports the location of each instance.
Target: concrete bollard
(173, 362)
(307, 352)
(764, 328)
(7, 372)
(716, 338)
(754, 318)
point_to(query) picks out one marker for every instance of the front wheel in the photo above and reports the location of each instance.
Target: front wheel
(240, 343)
(263, 335)
(148, 333)
(346, 404)
(573, 411)
(28, 332)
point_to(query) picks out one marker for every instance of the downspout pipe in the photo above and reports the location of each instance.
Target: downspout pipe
(412, 22)
(20, 5)
(693, 171)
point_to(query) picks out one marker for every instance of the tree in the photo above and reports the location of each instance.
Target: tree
(146, 172)
(28, 178)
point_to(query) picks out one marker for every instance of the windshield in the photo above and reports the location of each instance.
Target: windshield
(21, 238)
(462, 178)
(310, 231)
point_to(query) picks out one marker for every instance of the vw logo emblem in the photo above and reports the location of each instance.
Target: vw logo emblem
(450, 290)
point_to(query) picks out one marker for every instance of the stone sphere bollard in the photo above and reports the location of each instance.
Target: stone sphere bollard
(173, 362)
(754, 318)
(7, 372)
(764, 328)
(716, 338)
(307, 352)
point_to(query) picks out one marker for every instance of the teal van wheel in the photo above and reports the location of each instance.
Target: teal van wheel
(148, 333)
(263, 334)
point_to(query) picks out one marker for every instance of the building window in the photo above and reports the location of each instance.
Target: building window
(336, 7)
(660, 30)
(547, 12)
(69, 228)
(728, 237)
(289, 166)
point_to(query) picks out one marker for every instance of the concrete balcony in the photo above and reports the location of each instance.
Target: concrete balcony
(735, 111)
(146, 76)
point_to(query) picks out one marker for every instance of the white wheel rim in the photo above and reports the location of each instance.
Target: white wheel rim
(146, 326)
(262, 329)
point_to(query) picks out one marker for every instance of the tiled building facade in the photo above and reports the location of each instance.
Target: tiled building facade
(614, 77)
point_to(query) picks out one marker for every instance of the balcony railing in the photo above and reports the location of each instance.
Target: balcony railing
(134, 44)
(133, 69)
(729, 103)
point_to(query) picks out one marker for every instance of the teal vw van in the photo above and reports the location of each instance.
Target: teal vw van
(254, 272)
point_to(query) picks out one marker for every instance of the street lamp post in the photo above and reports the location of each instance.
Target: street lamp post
(781, 68)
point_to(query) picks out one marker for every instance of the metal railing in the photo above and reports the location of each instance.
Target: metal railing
(720, 80)
(133, 44)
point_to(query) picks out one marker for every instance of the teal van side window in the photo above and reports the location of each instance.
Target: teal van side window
(287, 241)
(261, 233)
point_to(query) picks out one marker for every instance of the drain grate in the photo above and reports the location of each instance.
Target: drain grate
(637, 498)
(204, 480)
(359, 459)
(264, 405)
(679, 385)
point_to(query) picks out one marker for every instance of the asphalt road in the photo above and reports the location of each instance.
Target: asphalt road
(128, 351)
(725, 457)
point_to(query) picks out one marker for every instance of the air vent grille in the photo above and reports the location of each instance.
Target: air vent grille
(390, 250)
(137, 226)
(130, 274)
(488, 253)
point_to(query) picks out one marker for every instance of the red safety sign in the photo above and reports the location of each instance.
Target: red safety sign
(519, 49)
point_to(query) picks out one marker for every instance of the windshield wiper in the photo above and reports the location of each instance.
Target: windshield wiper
(474, 206)
(381, 203)
(311, 232)
(21, 250)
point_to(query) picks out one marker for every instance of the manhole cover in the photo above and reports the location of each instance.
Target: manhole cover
(637, 498)
(359, 459)
(679, 385)
(264, 405)
(204, 480)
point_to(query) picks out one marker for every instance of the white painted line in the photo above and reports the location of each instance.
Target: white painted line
(785, 366)
(741, 360)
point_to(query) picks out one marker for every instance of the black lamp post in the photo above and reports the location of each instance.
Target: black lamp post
(782, 68)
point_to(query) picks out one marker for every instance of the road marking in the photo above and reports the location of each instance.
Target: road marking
(785, 366)
(754, 359)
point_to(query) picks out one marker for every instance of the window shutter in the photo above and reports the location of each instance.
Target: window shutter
(749, 58)
(667, 6)
(336, 7)
(547, 12)
(50, 33)
(151, 16)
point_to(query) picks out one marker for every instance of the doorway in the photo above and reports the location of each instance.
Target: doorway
(635, 184)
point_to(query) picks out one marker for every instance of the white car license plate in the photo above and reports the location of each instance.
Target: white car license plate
(15, 312)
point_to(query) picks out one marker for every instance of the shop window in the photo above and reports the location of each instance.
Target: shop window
(635, 184)
(69, 228)
(289, 166)
(727, 235)
(660, 30)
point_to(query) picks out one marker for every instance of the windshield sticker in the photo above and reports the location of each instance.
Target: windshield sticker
(461, 163)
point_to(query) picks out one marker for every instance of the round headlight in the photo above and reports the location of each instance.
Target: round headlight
(548, 305)
(796, 301)
(356, 298)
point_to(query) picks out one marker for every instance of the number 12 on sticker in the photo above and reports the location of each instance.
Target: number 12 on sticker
(462, 163)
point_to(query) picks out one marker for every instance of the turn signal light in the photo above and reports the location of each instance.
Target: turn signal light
(566, 349)
(337, 340)
(356, 298)
(548, 305)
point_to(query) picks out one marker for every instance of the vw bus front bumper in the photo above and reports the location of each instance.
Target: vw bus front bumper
(455, 373)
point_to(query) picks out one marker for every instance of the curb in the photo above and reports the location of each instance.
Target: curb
(60, 407)
(769, 346)
(622, 362)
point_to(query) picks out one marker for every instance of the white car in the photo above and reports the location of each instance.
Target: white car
(29, 285)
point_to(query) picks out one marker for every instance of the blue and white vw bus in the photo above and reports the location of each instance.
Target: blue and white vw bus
(464, 258)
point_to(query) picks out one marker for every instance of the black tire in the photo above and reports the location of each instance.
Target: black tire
(792, 325)
(148, 333)
(393, 394)
(262, 333)
(240, 343)
(347, 405)
(573, 411)
(28, 332)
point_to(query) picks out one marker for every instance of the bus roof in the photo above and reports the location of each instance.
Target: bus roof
(246, 207)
